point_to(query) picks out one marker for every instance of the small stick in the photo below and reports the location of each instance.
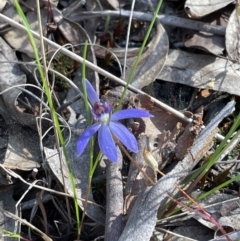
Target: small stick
(167, 20)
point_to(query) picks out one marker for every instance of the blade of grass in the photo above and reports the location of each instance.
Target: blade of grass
(57, 130)
(202, 212)
(139, 54)
(217, 154)
(92, 139)
(205, 168)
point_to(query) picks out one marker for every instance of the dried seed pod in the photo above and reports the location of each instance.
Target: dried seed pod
(150, 160)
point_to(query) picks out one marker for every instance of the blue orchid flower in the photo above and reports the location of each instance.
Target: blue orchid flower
(107, 125)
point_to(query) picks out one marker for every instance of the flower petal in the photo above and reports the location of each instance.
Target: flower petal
(130, 113)
(124, 135)
(106, 143)
(92, 94)
(85, 137)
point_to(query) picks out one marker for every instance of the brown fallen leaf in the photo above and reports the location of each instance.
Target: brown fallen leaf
(189, 135)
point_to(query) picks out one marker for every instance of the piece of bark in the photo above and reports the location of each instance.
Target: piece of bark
(114, 213)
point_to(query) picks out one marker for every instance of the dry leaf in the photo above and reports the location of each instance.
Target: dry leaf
(191, 132)
(196, 9)
(212, 43)
(10, 76)
(2, 4)
(232, 35)
(23, 151)
(152, 61)
(18, 39)
(202, 71)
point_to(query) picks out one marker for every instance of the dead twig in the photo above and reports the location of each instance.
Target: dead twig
(167, 20)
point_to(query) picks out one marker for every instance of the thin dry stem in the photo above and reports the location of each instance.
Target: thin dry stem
(133, 161)
(203, 212)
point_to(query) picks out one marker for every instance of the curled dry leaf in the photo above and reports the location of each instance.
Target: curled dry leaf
(232, 35)
(77, 7)
(152, 61)
(19, 39)
(10, 76)
(209, 42)
(72, 31)
(196, 9)
(212, 43)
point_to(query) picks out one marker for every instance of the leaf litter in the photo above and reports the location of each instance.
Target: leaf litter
(132, 201)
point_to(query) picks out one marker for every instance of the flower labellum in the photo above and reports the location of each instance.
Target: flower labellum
(107, 125)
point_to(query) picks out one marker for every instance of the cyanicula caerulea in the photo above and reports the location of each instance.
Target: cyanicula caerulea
(107, 125)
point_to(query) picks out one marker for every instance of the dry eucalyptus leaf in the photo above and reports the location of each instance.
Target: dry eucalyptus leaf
(167, 143)
(196, 9)
(226, 208)
(212, 43)
(192, 231)
(10, 76)
(232, 222)
(233, 236)
(18, 39)
(72, 31)
(152, 61)
(202, 71)
(212, 205)
(23, 151)
(156, 128)
(77, 7)
(114, 199)
(232, 35)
